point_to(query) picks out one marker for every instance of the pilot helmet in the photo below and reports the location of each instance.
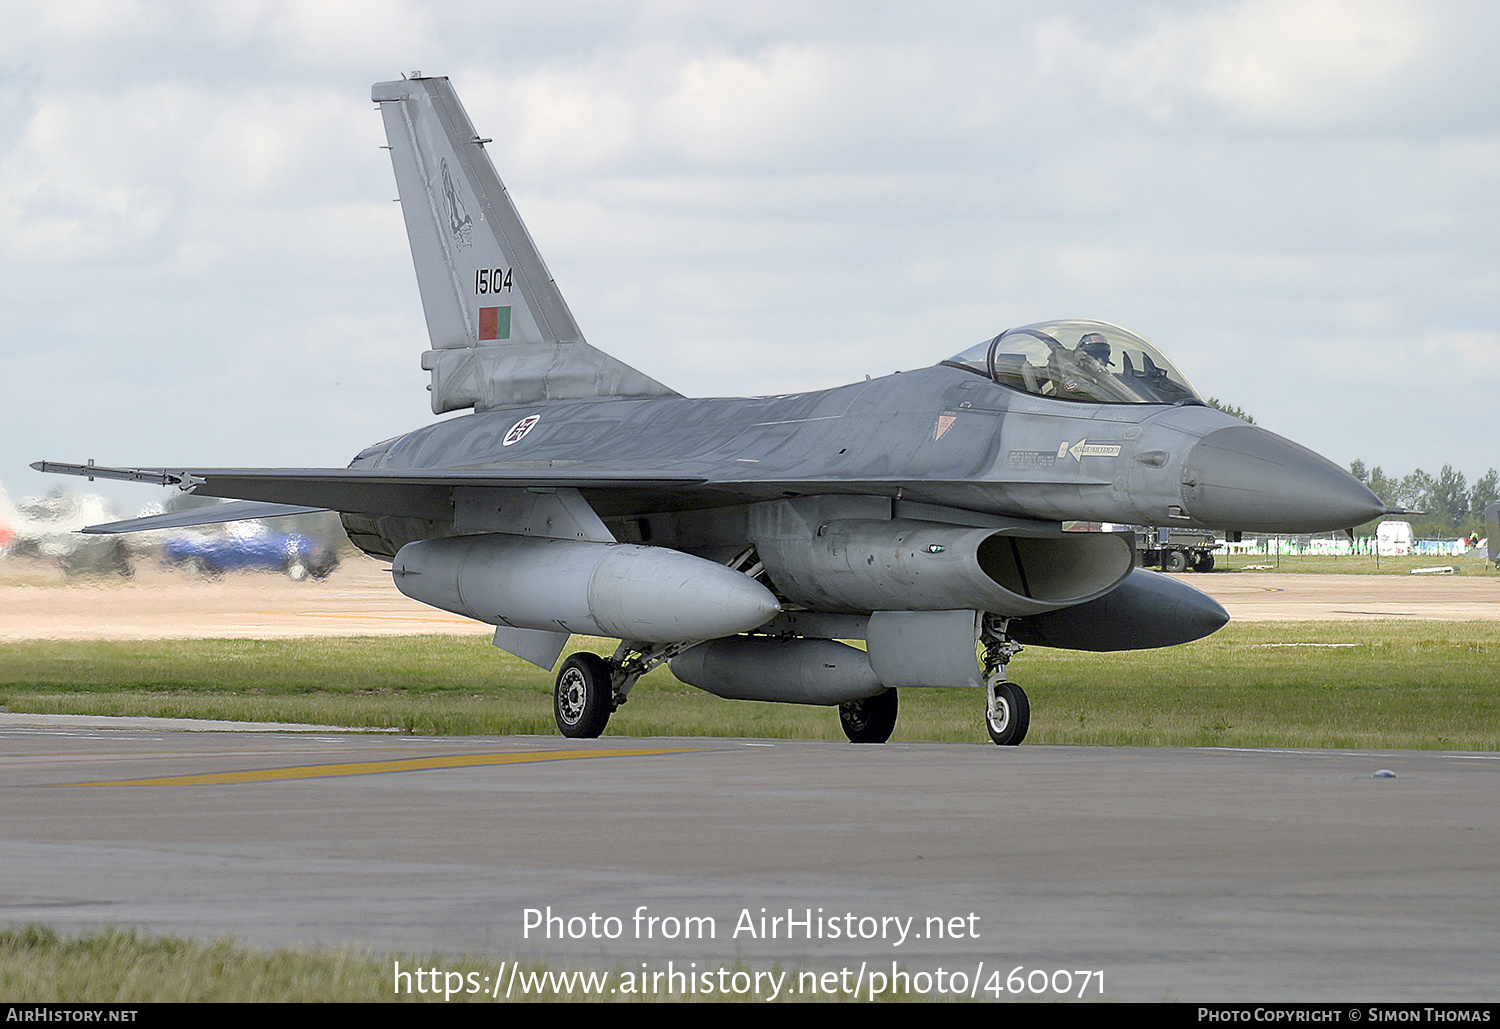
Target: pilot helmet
(1095, 345)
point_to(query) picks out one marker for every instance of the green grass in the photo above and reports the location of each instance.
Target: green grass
(1475, 563)
(118, 966)
(127, 966)
(1404, 684)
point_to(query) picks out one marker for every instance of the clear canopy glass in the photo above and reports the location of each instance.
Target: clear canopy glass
(1079, 360)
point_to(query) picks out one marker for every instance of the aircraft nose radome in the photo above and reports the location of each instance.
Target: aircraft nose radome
(1245, 478)
(1200, 614)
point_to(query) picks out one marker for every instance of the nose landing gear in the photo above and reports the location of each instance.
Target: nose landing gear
(1007, 712)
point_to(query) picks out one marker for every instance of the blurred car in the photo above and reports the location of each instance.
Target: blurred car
(45, 529)
(250, 546)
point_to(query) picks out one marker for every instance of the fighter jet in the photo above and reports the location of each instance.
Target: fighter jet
(746, 541)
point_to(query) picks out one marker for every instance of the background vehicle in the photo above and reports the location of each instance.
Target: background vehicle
(1395, 537)
(46, 528)
(1171, 549)
(251, 546)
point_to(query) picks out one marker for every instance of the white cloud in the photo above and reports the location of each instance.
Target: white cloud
(1309, 61)
(347, 33)
(757, 199)
(278, 142)
(77, 22)
(129, 171)
(567, 124)
(729, 108)
(1286, 63)
(1461, 353)
(86, 178)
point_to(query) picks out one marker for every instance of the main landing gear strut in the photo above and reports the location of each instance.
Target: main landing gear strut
(590, 688)
(1007, 712)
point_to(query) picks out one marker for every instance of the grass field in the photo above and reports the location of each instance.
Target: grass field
(1396, 684)
(1474, 563)
(120, 966)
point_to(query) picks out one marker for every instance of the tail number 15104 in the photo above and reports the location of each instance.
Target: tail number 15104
(492, 280)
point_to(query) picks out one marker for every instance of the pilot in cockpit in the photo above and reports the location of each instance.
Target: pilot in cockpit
(1093, 345)
(1088, 361)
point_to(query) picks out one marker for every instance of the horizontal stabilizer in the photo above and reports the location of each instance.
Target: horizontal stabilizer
(218, 513)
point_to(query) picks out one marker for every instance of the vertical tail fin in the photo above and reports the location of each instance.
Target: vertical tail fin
(501, 332)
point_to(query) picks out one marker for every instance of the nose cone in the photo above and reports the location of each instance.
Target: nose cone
(1245, 478)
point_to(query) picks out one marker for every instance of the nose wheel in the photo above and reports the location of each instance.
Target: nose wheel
(1007, 713)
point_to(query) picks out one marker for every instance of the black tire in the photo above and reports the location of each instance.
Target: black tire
(325, 565)
(119, 560)
(204, 568)
(582, 697)
(1013, 717)
(1204, 563)
(1174, 561)
(870, 719)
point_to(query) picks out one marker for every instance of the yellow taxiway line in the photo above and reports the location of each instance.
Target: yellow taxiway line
(417, 764)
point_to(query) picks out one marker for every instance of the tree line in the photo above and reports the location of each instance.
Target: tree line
(1449, 505)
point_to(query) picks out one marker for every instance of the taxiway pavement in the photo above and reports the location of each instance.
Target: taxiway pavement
(1190, 875)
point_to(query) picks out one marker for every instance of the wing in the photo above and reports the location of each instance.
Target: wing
(379, 491)
(429, 493)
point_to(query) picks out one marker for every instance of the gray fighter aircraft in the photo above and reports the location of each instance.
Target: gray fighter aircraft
(742, 539)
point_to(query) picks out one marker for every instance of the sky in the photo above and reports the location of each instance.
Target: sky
(1296, 200)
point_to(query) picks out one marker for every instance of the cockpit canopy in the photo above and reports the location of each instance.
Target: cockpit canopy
(1080, 360)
